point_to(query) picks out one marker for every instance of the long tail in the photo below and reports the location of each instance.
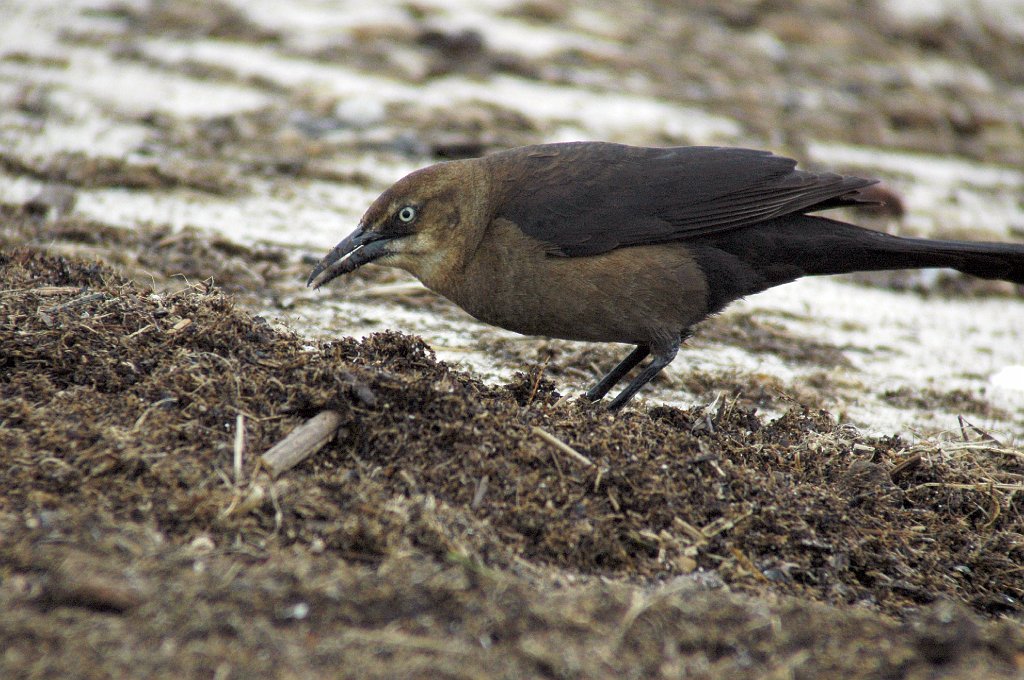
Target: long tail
(776, 252)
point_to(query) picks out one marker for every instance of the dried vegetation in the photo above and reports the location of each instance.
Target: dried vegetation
(453, 527)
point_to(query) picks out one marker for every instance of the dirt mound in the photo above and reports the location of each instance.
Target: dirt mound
(453, 526)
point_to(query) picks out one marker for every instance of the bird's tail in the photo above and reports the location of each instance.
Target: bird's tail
(846, 248)
(782, 250)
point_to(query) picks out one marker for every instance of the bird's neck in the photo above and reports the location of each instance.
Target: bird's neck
(442, 268)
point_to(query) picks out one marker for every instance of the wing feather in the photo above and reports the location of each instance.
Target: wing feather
(585, 198)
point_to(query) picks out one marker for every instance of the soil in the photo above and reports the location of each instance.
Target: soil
(455, 526)
(438, 534)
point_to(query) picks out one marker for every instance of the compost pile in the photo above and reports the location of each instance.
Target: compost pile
(453, 527)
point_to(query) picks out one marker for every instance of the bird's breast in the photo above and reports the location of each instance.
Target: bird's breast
(632, 295)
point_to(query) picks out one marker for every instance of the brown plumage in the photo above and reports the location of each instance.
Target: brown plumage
(611, 243)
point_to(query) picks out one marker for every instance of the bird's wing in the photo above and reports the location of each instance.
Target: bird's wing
(586, 198)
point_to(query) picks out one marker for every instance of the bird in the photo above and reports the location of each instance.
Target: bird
(604, 242)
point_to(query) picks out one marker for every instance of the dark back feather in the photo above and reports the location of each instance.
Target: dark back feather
(586, 198)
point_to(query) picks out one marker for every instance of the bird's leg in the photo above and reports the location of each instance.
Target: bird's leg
(663, 356)
(616, 374)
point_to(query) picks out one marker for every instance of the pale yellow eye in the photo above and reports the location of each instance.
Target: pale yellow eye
(407, 214)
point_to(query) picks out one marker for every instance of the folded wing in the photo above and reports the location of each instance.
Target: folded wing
(586, 198)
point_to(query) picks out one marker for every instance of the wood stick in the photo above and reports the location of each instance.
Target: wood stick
(302, 442)
(481, 491)
(979, 486)
(239, 449)
(905, 465)
(43, 291)
(563, 447)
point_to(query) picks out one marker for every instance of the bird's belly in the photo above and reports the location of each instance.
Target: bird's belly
(631, 295)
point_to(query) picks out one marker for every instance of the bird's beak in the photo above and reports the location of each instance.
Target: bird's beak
(358, 248)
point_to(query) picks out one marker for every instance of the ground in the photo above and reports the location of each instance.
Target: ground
(829, 482)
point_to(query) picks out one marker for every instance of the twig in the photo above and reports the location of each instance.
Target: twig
(76, 302)
(239, 446)
(563, 447)
(980, 486)
(302, 442)
(481, 491)
(966, 424)
(987, 447)
(46, 291)
(536, 383)
(147, 327)
(179, 326)
(905, 465)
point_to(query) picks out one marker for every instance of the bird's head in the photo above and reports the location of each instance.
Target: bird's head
(413, 225)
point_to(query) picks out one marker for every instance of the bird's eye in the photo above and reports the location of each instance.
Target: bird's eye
(407, 214)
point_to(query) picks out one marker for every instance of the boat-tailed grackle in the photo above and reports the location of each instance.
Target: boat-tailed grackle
(611, 243)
